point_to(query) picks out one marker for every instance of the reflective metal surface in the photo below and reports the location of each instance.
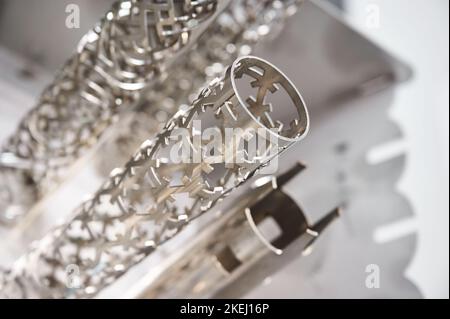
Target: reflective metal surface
(131, 46)
(241, 247)
(153, 197)
(348, 83)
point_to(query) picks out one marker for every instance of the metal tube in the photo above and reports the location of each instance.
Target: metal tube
(134, 44)
(156, 193)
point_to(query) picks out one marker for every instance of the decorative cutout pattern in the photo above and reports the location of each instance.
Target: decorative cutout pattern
(234, 33)
(115, 61)
(151, 199)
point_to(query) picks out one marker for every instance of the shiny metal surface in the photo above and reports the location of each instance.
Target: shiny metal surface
(153, 197)
(234, 33)
(241, 247)
(131, 46)
(348, 83)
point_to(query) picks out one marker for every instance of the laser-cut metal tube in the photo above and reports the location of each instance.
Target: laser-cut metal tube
(234, 33)
(153, 197)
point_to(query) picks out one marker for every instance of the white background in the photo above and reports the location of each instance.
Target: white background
(417, 31)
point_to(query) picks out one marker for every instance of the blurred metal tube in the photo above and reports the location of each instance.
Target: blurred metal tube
(133, 45)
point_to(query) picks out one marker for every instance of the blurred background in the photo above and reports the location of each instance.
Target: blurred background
(409, 37)
(418, 33)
